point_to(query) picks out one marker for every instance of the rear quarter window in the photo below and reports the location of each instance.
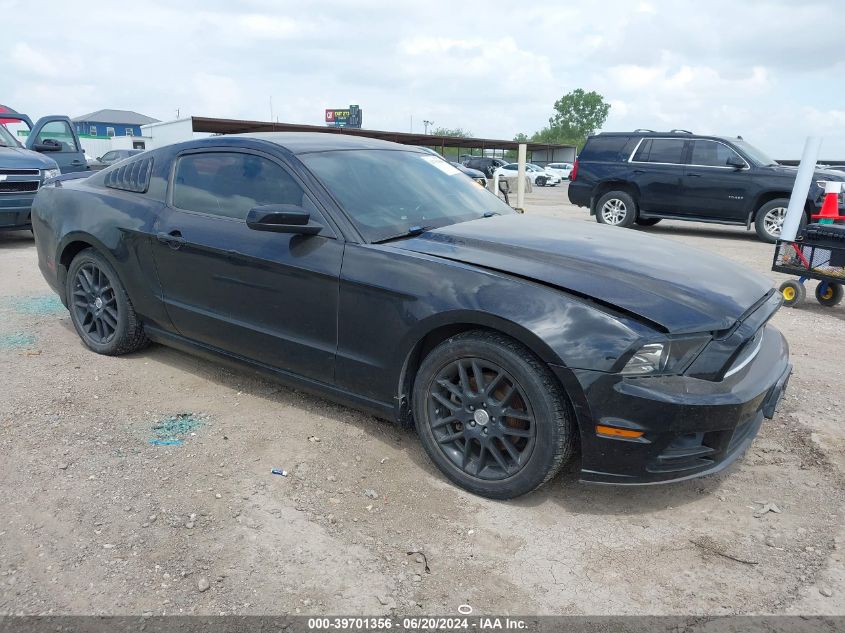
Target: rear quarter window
(607, 148)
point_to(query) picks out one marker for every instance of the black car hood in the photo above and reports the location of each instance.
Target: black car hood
(670, 284)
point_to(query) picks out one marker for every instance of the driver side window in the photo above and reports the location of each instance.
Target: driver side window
(229, 184)
(57, 133)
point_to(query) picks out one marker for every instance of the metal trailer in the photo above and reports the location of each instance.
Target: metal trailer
(818, 252)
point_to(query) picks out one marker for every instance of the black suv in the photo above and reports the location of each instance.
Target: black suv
(484, 164)
(644, 176)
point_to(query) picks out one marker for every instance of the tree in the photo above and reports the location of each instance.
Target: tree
(577, 115)
(512, 154)
(457, 132)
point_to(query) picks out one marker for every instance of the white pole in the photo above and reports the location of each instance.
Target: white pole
(803, 179)
(520, 172)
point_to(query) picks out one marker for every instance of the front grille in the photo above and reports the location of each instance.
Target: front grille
(21, 186)
(19, 172)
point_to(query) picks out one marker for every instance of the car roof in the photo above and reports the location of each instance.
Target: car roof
(304, 142)
(684, 135)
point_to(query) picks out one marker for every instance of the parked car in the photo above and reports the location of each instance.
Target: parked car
(560, 169)
(644, 176)
(484, 164)
(537, 175)
(542, 176)
(52, 147)
(365, 271)
(476, 175)
(113, 156)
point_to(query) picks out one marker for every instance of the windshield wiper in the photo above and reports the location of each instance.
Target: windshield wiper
(411, 232)
(490, 214)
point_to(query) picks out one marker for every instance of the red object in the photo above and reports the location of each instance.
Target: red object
(830, 208)
(10, 111)
(800, 254)
(574, 171)
(329, 116)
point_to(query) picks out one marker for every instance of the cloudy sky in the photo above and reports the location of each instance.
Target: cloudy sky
(771, 71)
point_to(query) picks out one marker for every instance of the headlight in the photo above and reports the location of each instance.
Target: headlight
(50, 173)
(669, 357)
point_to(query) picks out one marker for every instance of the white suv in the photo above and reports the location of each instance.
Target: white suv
(560, 169)
(537, 175)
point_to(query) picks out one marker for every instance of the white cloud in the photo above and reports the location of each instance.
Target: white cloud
(759, 69)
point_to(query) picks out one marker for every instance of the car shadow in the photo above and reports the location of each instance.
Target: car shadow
(578, 497)
(10, 240)
(696, 231)
(564, 490)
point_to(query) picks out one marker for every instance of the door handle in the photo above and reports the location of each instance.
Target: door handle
(173, 239)
(639, 171)
(694, 175)
(76, 162)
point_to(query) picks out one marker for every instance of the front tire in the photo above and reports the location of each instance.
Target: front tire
(100, 309)
(793, 292)
(491, 415)
(616, 208)
(769, 220)
(540, 182)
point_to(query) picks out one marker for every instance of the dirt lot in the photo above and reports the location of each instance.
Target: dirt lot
(97, 519)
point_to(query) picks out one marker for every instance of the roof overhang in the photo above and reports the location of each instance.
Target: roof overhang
(235, 126)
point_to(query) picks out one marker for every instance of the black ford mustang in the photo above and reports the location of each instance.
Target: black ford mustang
(381, 276)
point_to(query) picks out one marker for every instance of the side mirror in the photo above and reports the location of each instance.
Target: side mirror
(46, 147)
(736, 162)
(282, 218)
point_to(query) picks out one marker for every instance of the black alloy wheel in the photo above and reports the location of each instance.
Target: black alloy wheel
(100, 308)
(95, 304)
(481, 418)
(491, 415)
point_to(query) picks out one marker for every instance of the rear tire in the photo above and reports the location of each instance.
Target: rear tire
(616, 208)
(832, 295)
(648, 221)
(100, 308)
(769, 219)
(501, 439)
(793, 292)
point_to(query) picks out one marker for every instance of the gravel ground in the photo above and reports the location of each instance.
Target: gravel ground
(117, 502)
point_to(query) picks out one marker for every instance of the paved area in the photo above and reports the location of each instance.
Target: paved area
(97, 519)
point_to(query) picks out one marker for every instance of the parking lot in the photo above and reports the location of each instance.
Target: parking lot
(105, 514)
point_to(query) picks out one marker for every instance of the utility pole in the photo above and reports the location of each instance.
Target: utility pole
(426, 123)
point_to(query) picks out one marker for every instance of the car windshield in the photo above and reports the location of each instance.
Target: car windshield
(6, 138)
(756, 155)
(389, 193)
